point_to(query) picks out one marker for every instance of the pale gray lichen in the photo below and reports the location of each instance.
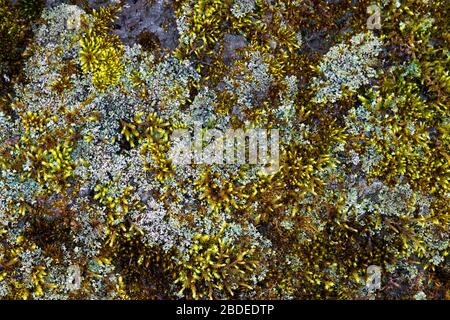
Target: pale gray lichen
(250, 84)
(241, 8)
(350, 65)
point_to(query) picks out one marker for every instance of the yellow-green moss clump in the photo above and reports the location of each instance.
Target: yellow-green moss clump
(95, 205)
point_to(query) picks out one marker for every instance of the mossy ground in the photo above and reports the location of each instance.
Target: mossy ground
(86, 117)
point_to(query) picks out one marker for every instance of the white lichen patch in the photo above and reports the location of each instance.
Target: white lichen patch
(349, 66)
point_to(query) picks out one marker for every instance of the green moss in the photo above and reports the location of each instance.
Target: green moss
(87, 182)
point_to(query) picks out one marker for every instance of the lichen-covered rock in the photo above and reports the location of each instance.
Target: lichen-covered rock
(348, 67)
(125, 128)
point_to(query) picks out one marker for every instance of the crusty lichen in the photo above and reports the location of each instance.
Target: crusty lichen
(93, 204)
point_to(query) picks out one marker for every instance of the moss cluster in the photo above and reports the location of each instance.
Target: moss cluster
(93, 206)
